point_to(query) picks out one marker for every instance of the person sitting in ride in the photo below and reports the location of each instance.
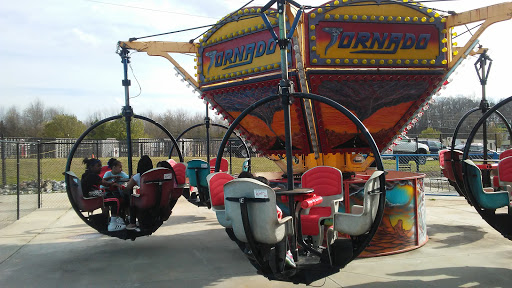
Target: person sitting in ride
(116, 173)
(144, 165)
(91, 182)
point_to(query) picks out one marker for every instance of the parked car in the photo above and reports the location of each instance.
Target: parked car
(434, 146)
(478, 148)
(410, 146)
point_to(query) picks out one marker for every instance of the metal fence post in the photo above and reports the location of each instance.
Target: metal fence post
(4, 168)
(17, 180)
(38, 173)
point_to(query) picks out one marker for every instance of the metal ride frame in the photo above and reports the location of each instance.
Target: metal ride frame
(488, 15)
(207, 123)
(483, 74)
(127, 114)
(287, 96)
(500, 222)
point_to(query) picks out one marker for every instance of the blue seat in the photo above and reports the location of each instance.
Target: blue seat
(197, 170)
(487, 200)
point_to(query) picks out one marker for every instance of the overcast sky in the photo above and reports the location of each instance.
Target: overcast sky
(62, 52)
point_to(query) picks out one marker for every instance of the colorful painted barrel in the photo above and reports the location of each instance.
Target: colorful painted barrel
(403, 226)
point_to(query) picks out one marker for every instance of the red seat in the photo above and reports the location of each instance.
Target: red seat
(171, 161)
(450, 164)
(216, 183)
(180, 170)
(506, 154)
(224, 165)
(157, 181)
(104, 170)
(84, 204)
(505, 169)
(327, 183)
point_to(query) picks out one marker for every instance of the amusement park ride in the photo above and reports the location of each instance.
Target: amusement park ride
(331, 87)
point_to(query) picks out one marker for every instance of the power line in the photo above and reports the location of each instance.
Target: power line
(149, 9)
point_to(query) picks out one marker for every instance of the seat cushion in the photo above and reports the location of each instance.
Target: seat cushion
(310, 222)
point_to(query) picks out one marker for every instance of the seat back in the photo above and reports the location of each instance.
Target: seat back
(487, 200)
(506, 154)
(450, 164)
(152, 182)
(357, 224)
(326, 181)
(216, 183)
(505, 169)
(75, 187)
(104, 169)
(197, 170)
(265, 226)
(224, 165)
(180, 170)
(441, 157)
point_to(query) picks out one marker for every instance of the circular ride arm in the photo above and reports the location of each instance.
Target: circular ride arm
(94, 126)
(70, 159)
(174, 141)
(465, 155)
(373, 147)
(213, 124)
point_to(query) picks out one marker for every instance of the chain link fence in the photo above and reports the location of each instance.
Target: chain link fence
(31, 171)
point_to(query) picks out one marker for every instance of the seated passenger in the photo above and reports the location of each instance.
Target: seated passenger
(144, 165)
(116, 173)
(91, 182)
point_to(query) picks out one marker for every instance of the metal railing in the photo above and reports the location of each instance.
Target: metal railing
(31, 171)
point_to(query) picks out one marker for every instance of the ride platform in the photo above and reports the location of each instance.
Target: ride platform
(54, 248)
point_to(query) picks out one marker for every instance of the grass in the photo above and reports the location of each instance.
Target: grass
(52, 168)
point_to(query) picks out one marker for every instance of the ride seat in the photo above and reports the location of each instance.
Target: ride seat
(104, 169)
(85, 204)
(216, 183)
(197, 170)
(506, 154)
(449, 164)
(156, 189)
(260, 201)
(505, 172)
(485, 199)
(327, 182)
(180, 169)
(224, 165)
(355, 224)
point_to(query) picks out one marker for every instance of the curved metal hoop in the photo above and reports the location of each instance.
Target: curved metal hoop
(373, 147)
(81, 138)
(465, 154)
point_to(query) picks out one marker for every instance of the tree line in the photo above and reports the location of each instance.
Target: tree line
(39, 121)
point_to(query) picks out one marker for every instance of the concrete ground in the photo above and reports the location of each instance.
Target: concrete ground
(54, 248)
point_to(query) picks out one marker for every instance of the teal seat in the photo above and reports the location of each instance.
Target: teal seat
(487, 200)
(197, 170)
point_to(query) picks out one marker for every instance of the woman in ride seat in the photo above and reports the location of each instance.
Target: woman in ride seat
(144, 165)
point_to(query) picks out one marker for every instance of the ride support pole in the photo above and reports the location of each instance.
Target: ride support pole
(483, 74)
(127, 109)
(17, 180)
(4, 169)
(207, 124)
(38, 174)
